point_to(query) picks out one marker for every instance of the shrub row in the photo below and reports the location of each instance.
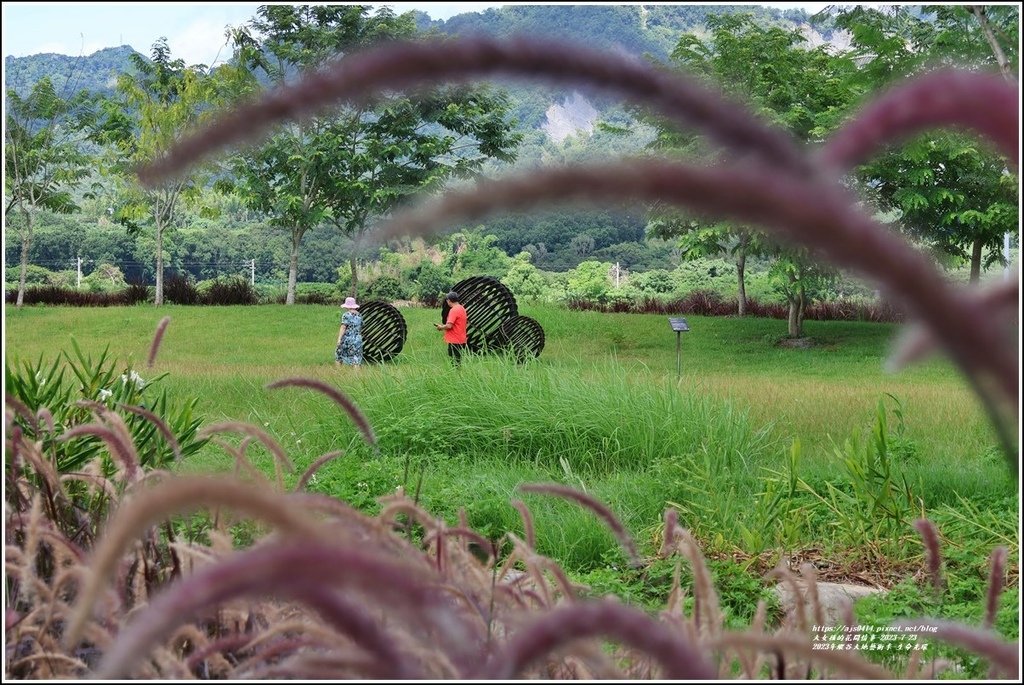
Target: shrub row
(56, 295)
(710, 303)
(235, 291)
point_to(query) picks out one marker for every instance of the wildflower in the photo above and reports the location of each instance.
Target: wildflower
(135, 378)
(104, 394)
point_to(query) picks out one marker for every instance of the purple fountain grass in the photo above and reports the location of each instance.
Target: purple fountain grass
(932, 552)
(996, 578)
(160, 424)
(706, 608)
(603, 512)
(944, 98)
(242, 462)
(472, 536)
(854, 666)
(44, 415)
(22, 410)
(524, 513)
(315, 466)
(339, 398)
(123, 450)
(679, 659)
(810, 577)
(1004, 656)
(668, 542)
(300, 570)
(799, 611)
(158, 337)
(280, 457)
(358, 78)
(1000, 301)
(180, 495)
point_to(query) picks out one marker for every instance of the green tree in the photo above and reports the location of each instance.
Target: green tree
(524, 279)
(952, 192)
(781, 78)
(43, 160)
(472, 253)
(354, 164)
(589, 281)
(153, 106)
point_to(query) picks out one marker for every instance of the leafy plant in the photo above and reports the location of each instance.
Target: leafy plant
(51, 395)
(873, 507)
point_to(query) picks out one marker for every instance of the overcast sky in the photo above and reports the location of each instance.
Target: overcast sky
(194, 30)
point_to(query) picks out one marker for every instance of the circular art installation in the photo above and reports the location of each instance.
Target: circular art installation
(384, 331)
(488, 304)
(493, 320)
(520, 336)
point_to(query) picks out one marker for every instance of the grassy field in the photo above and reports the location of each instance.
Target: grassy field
(757, 445)
(226, 355)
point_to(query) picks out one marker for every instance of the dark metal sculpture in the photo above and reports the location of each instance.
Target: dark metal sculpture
(384, 331)
(493, 320)
(521, 337)
(488, 304)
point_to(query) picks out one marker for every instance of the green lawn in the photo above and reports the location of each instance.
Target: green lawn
(603, 410)
(227, 354)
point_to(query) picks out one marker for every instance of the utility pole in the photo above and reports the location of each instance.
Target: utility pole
(252, 273)
(1006, 256)
(79, 284)
(616, 274)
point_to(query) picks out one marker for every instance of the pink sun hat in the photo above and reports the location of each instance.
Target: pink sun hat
(350, 303)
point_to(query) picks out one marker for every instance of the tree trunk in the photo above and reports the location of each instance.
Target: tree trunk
(997, 49)
(158, 298)
(26, 243)
(355, 276)
(293, 268)
(797, 300)
(976, 261)
(741, 299)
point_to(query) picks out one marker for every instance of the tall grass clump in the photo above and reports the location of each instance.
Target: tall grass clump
(600, 420)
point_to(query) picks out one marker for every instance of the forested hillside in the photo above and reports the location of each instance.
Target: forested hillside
(96, 72)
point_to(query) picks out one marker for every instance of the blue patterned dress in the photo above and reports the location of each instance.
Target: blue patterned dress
(350, 349)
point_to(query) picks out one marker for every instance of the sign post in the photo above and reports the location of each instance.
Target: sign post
(678, 325)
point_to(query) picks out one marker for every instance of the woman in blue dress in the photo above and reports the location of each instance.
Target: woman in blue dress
(350, 336)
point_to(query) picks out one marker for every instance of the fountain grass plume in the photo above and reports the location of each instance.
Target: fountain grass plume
(678, 659)
(123, 449)
(307, 571)
(280, 457)
(1003, 656)
(360, 77)
(339, 398)
(853, 666)
(944, 98)
(315, 466)
(180, 495)
(524, 513)
(932, 553)
(158, 337)
(160, 424)
(603, 512)
(996, 578)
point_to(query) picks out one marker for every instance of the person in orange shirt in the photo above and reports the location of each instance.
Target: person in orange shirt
(455, 328)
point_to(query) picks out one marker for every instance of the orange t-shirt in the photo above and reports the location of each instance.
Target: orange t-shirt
(457, 318)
